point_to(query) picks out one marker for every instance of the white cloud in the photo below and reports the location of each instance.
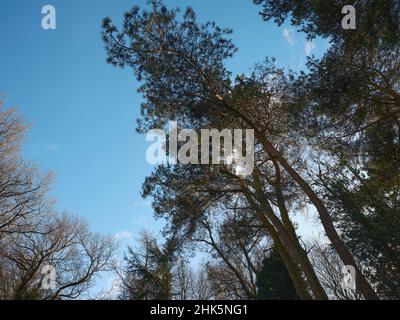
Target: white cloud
(309, 47)
(288, 35)
(123, 235)
(51, 147)
(141, 204)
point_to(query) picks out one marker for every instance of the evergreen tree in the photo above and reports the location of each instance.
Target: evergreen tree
(273, 281)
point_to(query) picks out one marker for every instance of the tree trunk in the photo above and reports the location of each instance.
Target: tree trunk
(295, 276)
(362, 284)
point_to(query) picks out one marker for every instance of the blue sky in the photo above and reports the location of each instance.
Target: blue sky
(82, 111)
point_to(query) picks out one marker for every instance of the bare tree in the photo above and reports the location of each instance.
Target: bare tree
(202, 289)
(67, 246)
(183, 281)
(22, 187)
(238, 247)
(329, 266)
(189, 284)
(33, 235)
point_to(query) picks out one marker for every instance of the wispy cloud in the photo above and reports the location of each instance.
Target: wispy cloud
(309, 47)
(51, 147)
(288, 35)
(123, 235)
(141, 204)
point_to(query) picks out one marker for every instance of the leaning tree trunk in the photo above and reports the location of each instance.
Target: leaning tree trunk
(361, 282)
(291, 266)
(292, 242)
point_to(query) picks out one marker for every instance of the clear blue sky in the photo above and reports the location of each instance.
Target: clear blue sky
(82, 111)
